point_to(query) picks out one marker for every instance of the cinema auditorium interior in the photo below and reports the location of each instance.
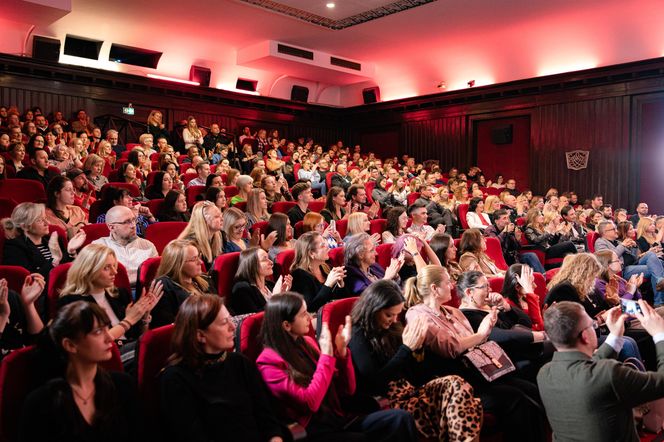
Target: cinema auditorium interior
(331, 220)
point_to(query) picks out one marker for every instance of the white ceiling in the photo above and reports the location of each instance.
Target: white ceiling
(455, 41)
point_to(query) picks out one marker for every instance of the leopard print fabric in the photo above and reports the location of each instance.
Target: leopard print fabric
(443, 409)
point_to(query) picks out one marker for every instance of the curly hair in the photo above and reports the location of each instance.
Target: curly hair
(580, 270)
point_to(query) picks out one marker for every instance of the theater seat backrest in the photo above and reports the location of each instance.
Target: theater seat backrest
(495, 252)
(336, 256)
(15, 276)
(161, 233)
(247, 336)
(283, 262)
(384, 255)
(224, 269)
(334, 314)
(94, 232)
(462, 210)
(282, 206)
(154, 349)
(317, 206)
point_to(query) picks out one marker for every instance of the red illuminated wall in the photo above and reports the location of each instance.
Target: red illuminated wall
(512, 160)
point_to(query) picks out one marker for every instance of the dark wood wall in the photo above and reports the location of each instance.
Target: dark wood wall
(599, 110)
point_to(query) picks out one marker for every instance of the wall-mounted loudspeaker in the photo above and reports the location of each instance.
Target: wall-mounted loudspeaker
(502, 134)
(44, 48)
(299, 93)
(82, 47)
(371, 95)
(200, 74)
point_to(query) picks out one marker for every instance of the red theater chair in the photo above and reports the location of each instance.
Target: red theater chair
(160, 234)
(283, 263)
(94, 232)
(22, 190)
(282, 206)
(131, 188)
(154, 349)
(317, 206)
(334, 314)
(336, 256)
(224, 269)
(462, 210)
(15, 276)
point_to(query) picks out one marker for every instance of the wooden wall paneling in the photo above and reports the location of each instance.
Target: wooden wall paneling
(443, 139)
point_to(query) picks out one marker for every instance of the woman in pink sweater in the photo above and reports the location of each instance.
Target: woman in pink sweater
(309, 381)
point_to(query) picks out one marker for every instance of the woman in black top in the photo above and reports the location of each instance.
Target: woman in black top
(174, 207)
(209, 392)
(181, 275)
(19, 320)
(160, 187)
(86, 404)
(312, 278)
(252, 289)
(385, 361)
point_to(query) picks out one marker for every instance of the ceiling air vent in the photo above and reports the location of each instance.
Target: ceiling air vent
(295, 52)
(345, 63)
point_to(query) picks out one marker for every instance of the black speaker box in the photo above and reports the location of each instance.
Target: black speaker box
(44, 48)
(82, 47)
(371, 95)
(200, 74)
(502, 134)
(299, 93)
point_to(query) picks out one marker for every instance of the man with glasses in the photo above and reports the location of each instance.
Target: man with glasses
(633, 261)
(130, 250)
(588, 395)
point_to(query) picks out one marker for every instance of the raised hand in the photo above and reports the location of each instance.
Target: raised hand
(343, 336)
(54, 248)
(33, 286)
(335, 276)
(287, 283)
(615, 321)
(392, 271)
(325, 340)
(76, 242)
(441, 228)
(612, 289)
(5, 309)
(375, 238)
(410, 245)
(487, 323)
(526, 279)
(650, 319)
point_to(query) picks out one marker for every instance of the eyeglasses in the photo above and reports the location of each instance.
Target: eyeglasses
(481, 287)
(196, 258)
(594, 325)
(240, 226)
(127, 222)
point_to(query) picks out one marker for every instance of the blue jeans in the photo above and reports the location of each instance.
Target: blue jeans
(320, 185)
(629, 350)
(651, 267)
(533, 261)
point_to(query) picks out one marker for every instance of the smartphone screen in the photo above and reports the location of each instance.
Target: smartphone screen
(333, 225)
(630, 307)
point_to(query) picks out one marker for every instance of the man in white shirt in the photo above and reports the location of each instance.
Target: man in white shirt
(203, 170)
(419, 226)
(130, 250)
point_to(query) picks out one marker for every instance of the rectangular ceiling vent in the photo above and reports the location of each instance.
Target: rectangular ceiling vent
(295, 52)
(335, 61)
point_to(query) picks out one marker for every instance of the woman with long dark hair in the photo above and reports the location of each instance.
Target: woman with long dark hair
(301, 376)
(174, 207)
(208, 391)
(335, 205)
(385, 360)
(60, 208)
(86, 403)
(519, 291)
(161, 185)
(443, 246)
(397, 221)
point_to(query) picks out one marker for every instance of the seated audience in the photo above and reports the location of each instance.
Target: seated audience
(130, 250)
(610, 284)
(443, 246)
(204, 230)
(472, 250)
(395, 226)
(385, 355)
(587, 394)
(306, 387)
(216, 196)
(510, 241)
(357, 196)
(252, 289)
(38, 170)
(208, 391)
(275, 190)
(361, 266)
(20, 322)
(312, 277)
(341, 178)
(314, 222)
(91, 278)
(476, 217)
(256, 207)
(181, 276)
(519, 290)
(302, 197)
(161, 185)
(115, 196)
(60, 208)
(648, 238)
(309, 173)
(84, 402)
(281, 225)
(244, 186)
(549, 238)
(202, 173)
(335, 205)
(513, 401)
(634, 262)
(93, 168)
(358, 222)
(174, 207)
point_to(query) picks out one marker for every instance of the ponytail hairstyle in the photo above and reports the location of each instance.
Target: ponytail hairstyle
(417, 288)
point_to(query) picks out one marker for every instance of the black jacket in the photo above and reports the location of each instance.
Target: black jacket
(246, 298)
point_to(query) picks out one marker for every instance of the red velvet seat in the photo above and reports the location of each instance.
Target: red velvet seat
(133, 189)
(369, 187)
(155, 205)
(95, 231)
(496, 283)
(15, 276)
(62, 233)
(591, 238)
(130, 146)
(316, 206)
(495, 252)
(328, 180)
(164, 232)
(298, 229)
(260, 225)
(241, 206)
(224, 269)
(146, 273)
(94, 211)
(58, 277)
(150, 178)
(282, 206)
(336, 256)
(462, 211)
(283, 262)
(188, 177)
(192, 192)
(20, 373)
(412, 197)
(551, 273)
(342, 227)
(230, 191)
(154, 349)
(22, 190)
(384, 255)
(7, 207)
(334, 314)
(378, 225)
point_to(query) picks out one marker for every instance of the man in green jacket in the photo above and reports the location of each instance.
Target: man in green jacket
(588, 395)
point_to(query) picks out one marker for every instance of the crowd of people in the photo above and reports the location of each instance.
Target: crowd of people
(441, 300)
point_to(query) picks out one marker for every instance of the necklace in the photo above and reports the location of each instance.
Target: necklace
(85, 400)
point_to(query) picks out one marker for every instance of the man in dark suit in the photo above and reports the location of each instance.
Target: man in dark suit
(341, 178)
(588, 395)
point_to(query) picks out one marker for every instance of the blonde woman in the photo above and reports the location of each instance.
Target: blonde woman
(358, 222)
(647, 236)
(77, 151)
(105, 152)
(256, 207)
(312, 277)
(575, 282)
(491, 204)
(551, 237)
(156, 127)
(93, 168)
(449, 335)
(461, 194)
(204, 230)
(91, 278)
(192, 135)
(181, 276)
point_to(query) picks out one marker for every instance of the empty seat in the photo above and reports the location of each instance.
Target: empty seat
(160, 234)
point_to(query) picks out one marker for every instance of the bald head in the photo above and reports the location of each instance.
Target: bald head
(118, 214)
